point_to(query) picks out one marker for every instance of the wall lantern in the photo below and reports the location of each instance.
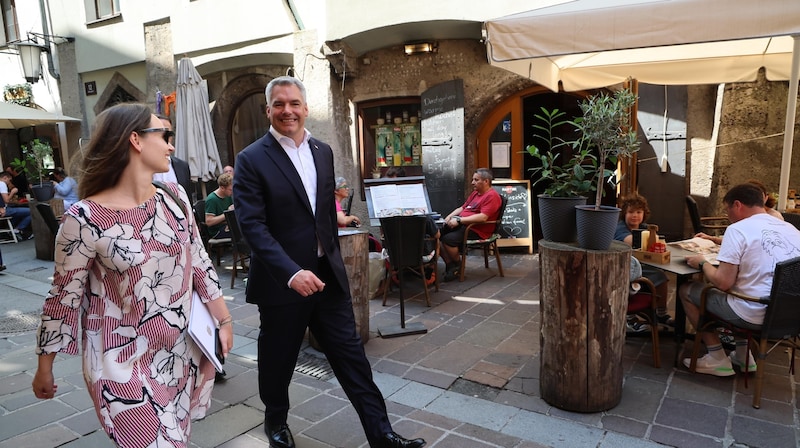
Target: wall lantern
(420, 48)
(30, 55)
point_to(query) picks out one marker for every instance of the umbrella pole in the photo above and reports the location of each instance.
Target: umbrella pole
(788, 133)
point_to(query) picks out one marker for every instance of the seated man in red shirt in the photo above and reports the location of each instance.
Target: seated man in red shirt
(483, 204)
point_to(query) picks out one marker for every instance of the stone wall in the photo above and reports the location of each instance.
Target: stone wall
(750, 142)
(389, 73)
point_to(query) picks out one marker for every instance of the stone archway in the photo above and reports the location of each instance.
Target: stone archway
(225, 108)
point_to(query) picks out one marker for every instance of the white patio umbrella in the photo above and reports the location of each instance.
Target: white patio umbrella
(14, 116)
(194, 137)
(588, 44)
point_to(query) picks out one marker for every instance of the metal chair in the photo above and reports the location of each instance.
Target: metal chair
(792, 218)
(404, 241)
(781, 323)
(488, 244)
(241, 251)
(713, 225)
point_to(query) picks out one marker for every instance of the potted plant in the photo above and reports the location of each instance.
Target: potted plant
(605, 125)
(376, 172)
(37, 154)
(567, 167)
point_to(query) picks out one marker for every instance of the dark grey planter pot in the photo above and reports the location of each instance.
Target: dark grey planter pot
(43, 192)
(596, 227)
(557, 217)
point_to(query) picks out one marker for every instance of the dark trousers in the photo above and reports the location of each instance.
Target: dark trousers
(329, 316)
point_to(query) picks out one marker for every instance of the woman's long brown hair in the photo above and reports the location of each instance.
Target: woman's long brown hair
(108, 152)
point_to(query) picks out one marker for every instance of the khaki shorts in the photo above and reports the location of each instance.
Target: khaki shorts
(717, 304)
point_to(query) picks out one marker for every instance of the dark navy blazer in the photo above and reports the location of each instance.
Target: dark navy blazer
(277, 221)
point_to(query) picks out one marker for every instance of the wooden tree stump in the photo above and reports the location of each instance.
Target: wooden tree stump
(354, 245)
(583, 296)
(44, 239)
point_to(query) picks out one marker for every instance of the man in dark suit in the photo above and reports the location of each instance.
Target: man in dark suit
(178, 169)
(283, 196)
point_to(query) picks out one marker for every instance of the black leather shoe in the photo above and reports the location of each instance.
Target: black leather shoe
(280, 436)
(393, 440)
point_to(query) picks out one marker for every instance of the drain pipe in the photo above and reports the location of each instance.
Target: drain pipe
(295, 15)
(51, 64)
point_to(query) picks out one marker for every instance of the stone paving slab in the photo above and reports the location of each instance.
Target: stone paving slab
(438, 385)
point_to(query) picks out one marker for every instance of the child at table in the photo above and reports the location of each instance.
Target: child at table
(633, 215)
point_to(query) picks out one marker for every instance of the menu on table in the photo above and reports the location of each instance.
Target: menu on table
(398, 199)
(700, 246)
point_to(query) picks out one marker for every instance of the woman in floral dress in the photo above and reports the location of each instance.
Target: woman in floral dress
(127, 259)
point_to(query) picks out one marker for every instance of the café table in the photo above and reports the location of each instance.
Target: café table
(677, 265)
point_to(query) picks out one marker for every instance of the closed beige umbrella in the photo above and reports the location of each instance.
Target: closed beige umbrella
(194, 137)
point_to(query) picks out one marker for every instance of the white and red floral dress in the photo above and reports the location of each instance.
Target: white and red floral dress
(127, 276)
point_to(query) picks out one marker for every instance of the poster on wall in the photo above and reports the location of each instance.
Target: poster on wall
(398, 145)
(412, 150)
(384, 152)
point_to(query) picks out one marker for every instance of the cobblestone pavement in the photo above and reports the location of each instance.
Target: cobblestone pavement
(471, 381)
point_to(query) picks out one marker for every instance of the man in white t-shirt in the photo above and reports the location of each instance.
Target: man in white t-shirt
(753, 244)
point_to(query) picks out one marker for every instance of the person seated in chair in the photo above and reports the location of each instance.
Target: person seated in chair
(66, 188)
(754, 243)
(340, 193)
(20, 214)
(482, 205)
(217, 202)
(633, 216)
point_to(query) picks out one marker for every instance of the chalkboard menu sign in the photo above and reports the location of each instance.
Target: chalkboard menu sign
(442, 115)
(516, 228)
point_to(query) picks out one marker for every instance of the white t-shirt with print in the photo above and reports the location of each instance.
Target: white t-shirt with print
(756, 244)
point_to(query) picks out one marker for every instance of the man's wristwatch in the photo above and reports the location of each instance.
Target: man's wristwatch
(457, 218)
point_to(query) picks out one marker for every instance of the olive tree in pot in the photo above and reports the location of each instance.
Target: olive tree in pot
(567, 168)
(606, 126)
(40, 152)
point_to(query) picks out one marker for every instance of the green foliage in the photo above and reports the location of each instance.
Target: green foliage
(21, 94)
(37, 157)
(606, 125)
(572, 177)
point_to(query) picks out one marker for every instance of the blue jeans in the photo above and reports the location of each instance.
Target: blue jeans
(20, 216)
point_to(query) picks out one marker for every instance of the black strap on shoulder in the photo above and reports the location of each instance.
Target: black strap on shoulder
(171, 194)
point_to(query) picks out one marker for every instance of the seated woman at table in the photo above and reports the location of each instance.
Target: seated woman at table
(769, 201)
(342, 191)
(633, 215)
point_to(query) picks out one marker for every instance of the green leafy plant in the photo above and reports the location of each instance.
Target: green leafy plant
(606, 125)
(572, 176)
(21, 94)
(38, 156)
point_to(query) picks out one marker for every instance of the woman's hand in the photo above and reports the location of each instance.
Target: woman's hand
(226, 338)
(44, 386)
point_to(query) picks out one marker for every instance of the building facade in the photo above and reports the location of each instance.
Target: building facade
(367, 64)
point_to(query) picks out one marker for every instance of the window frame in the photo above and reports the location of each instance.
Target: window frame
(12, 7)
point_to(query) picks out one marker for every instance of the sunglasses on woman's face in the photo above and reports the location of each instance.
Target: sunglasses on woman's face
(167, 132)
